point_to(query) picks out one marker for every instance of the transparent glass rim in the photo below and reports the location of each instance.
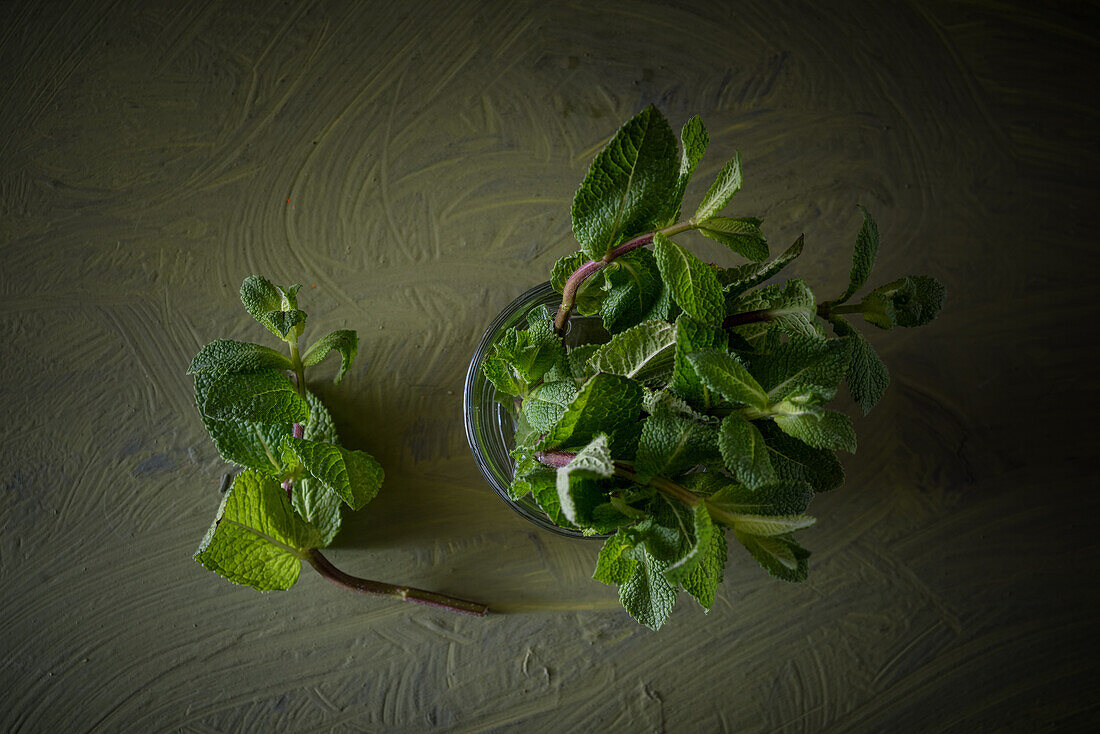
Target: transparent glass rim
(485, 431)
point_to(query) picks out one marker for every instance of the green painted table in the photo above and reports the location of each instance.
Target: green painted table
(412, 165)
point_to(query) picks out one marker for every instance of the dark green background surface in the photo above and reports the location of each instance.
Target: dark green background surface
(412, 165)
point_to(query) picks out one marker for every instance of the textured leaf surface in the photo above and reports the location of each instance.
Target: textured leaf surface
(794, 461)
(867, 376)
(645, 352)
(780, 556)
(692, 283)
(911, 301)
(615, 563)
(248, 444)
(355, 476)
(603, 402)
(743, 236)
(281, 323)
(226, 355)
(703, 580)
(261, 297)
(863, 260)
(577, 493)
(826, 429)
(626, 188)
(692, 336)
(693, 144)
(312, 500)
(266, 396)
(803, 366)
(671, 444)
(740, 279)
(784, 498)
(257, 540)
(703, 532)
(722, 190)
(744, 451)
(546, 403)
(723, 373)
(344, 341)
(634, 291)
(766, 526)
(647, 595)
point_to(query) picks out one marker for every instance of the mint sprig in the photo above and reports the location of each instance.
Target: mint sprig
(707, 413)
(286, 503)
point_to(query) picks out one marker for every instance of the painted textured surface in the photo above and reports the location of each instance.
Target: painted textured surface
(412, 164)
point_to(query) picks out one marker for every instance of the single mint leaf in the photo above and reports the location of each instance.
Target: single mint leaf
(312, 500)
(615, 564)
(795, 462)
(744, 452)
(226, 355)
(722, 190)
(257, 540)
(767, 526)
(783, 498)
(738, 280)
(248, 444)
(911, 301)
(703, 531)
(282, 323)
(867, 376)
(577, 493)
(289, 300)
(692, 283)
(743, 236)
(355, 476)
(791, 309)
(546, 496)
(702, 582)
(863, 260)
(781, 556)
(826, 429)
(671, 444)
(605, 404)
(692, 336)
(346, 344)
(260, 296)
(627, 185)
(647, 595)
(547, 402)
(645, 352)
(504, 379)
(633, 291)
(576, 360)
(803, 366)
(693, 141)
(265, 396)
(724, 374)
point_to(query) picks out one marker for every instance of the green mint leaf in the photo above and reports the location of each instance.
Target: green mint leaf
(867, 376)
(627, 185)
(605, 404)
(647, 595)
(692, 283)
(744, 452)
(781, 556)
(703, 532)
(265, 396)
(577, 359)
(803, 366)
(282, 323)
(257, 540)
(672, 443)
(721, 191)
(546, 496)
(591, 293)
(743, 236)
(645, 352)
(911, 301)
(497, 371)
(724, 374)
(791, 309)
(864, 257)
(312, 500)
(346, 344)
(578, 494)
(692, 336)
(226, 355)
(702, 582)
(248, 444)
(767, 526)
(693, 141)
(260, 296)
(738, 280)
(289, 300)
(546, 403)
(795, 462)
(634, 290)
(615, 563)
(355, 476)
(780, 499)
(826, 429)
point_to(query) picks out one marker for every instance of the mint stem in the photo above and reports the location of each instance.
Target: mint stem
(573, 284)
(404, 593)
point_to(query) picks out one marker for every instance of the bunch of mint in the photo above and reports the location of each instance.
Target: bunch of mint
(706, 409)
(286, 503)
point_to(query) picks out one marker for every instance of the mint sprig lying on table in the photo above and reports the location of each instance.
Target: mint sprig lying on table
(286, 504)
(705, 412)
